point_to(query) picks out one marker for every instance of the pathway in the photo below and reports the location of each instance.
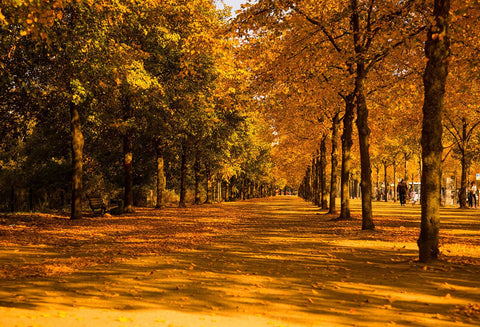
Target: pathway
(282, 263)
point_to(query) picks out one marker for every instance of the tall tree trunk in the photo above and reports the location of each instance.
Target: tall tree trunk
(395, 182)
(385, 182)
(323, 177)
(77, 162)
(465, 165)
(161, 182)
(30, 199)
(463, 181)
(12, 198)
(347, 144)
(318, 169)
(128, 158)
(208, 188)
(434, 80)
(314, 181)
(128, 170)
(405, 175)
(362, 122)
(309, 185)
(183, 176)
(196, 168)
(333, 175)
(365, 165)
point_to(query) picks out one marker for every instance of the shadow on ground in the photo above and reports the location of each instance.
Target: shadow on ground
(284, 260)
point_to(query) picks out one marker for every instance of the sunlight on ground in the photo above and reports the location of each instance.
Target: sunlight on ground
(277, 262)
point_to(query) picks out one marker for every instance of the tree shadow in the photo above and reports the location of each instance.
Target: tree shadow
(279, 260)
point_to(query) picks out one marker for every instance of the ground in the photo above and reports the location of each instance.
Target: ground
(269, 262)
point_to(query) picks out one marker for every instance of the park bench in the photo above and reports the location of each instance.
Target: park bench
(96, 203)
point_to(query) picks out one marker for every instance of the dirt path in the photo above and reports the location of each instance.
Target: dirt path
(280, 263)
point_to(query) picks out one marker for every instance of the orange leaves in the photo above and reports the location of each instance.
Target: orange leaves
(91, 241)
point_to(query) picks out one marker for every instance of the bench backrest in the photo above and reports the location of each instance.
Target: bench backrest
(95, 201)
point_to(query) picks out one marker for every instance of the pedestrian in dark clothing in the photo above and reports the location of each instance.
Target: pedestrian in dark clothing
(402, 192)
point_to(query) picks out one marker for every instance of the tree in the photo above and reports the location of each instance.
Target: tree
(353, 37)
(435, 76)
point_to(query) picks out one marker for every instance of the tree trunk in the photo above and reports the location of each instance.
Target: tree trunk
(362, 122)
(12, 199)
(385, 182)
(333, 175)
(309, 186)
(128, 170)
(208, 184)
(434, 80)
(128, 158)
(318, 174)
(347, 144)
(314, 181)
(30, 199)
(196, 168)
(405, 175)
(77, 162)
(323, 177)
(465, 165)
(242, 187)
(395, 182)
(365, 165)
(219, 190)
(161, 182)
(463, 182)
(183, 177)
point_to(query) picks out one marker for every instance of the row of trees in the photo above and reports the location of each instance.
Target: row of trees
(326, 65)
(122, 98)
(128, 94)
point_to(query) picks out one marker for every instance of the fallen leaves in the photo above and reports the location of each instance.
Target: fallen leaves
(82, 243)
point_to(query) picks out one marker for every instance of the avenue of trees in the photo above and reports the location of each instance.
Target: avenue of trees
(325, 67)
(138, 100)
(143, 99)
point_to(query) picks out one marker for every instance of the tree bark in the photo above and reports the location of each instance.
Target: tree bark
(333, 175)
(323, 177)
(363, 137)
(314, 181)
(208, 184)
(128, 170)
(77, 162)
(385, 182)
(161, 182)
(347, 144)
(463, 182)
(434, 80)
(362, 122)
(196, 168)
(465, 165)
(405, 175)
(183, 177)
(308, 186)
(128, 158)
(12, 199)
(395, 182)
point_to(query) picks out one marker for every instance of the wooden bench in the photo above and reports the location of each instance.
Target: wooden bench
(96, 203)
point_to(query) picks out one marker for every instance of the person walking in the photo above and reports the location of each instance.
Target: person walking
(472, 195)
(402, 192)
